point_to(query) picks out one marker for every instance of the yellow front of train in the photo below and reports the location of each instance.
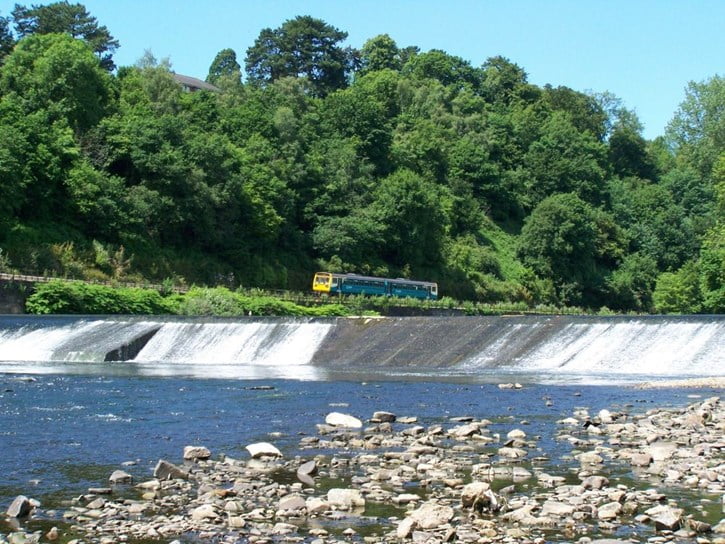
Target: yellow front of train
(322, 282)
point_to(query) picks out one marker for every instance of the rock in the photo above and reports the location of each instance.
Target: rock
(512, 453)
(52, 534)
(336, 419)
(100, 490)
(609, 511)
(432, 515)
(168, 471)
(594, 482)
(405, 498)
(262, 449)
(284, 529)
(665, 517)
(516, 433)
(479, 496)
(556, 508)
(405, 527)
(316, 505)
(590, 458)
(662, 451)
(120, 477)
(205, 511)
(384, 417)
(308, 469)
(640, 460)
(192, 453)
(345, 499)
(292, 502)
(20, 507)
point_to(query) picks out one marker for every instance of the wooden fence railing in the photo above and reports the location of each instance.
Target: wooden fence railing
(25, 278)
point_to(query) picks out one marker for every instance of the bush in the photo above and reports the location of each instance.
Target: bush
(59, 297)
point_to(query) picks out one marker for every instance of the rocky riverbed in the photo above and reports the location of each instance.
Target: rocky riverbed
(656, 476)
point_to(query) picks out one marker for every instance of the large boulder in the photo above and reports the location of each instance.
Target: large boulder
(168, 471)
(20, 507)
(193, 453)
(120, 477)
(263, 449)
(432, 515)
(665, 517)
(336, 419)
(345, 499)
(383, 417)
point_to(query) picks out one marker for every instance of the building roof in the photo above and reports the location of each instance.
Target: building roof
(194, 84)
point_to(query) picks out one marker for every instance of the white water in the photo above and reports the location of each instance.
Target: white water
(262, 344)
(676, 348)
(80, 341)
(291, 349)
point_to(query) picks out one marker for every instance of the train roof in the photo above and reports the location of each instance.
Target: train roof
(375, 278)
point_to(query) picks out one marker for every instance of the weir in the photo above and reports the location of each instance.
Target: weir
(654, 345)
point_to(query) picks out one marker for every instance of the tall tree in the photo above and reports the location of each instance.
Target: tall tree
(301, 47)
(6, 39)
(380, 53)
(559, 241)
(224, 65)
(66, 18)
(59, 74)
(697, 130)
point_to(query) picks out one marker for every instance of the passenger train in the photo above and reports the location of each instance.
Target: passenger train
(353, 284)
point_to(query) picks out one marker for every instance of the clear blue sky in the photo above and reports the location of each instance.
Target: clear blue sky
(643, 51)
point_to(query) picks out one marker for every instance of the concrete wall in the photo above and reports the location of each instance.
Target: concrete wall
(13, 295)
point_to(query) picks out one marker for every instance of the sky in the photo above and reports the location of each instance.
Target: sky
(643, 51)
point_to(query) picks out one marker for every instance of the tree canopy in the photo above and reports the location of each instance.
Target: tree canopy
(66, 18)
(388, 161)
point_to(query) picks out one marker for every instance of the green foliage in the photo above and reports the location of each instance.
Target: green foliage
(66, 18)
(559, 241)
(678, 292)
(387, 162)
(225, 66)
(223, 302)
(58, 297)
(301, 47)
(698, 128)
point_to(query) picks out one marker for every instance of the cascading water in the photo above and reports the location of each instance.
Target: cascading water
(254, 343)
(84, 340)
(474, 347)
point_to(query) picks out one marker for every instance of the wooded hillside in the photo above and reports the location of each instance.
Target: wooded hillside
(386, 161)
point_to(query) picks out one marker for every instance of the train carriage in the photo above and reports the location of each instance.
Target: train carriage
(354, 284)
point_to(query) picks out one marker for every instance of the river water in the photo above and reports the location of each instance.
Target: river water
(66, 425)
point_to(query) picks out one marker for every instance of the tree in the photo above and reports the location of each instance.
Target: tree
(59, 74)
(559, 241)
(7, 42)
(379, 53)
(301, 47)
(412, 214)
(66, 18)
(656, 225)
(224, 65)
(565, 160)
(448, 69)
(697, 131)
(678, 292)
(585, 113)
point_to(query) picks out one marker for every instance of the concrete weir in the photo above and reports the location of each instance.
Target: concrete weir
(657, 345)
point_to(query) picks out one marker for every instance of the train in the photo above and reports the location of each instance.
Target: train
(354, 284)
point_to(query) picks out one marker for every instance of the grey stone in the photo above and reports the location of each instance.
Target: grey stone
(120, 477)
(192, 453)
(168, 471)
(20, 507)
